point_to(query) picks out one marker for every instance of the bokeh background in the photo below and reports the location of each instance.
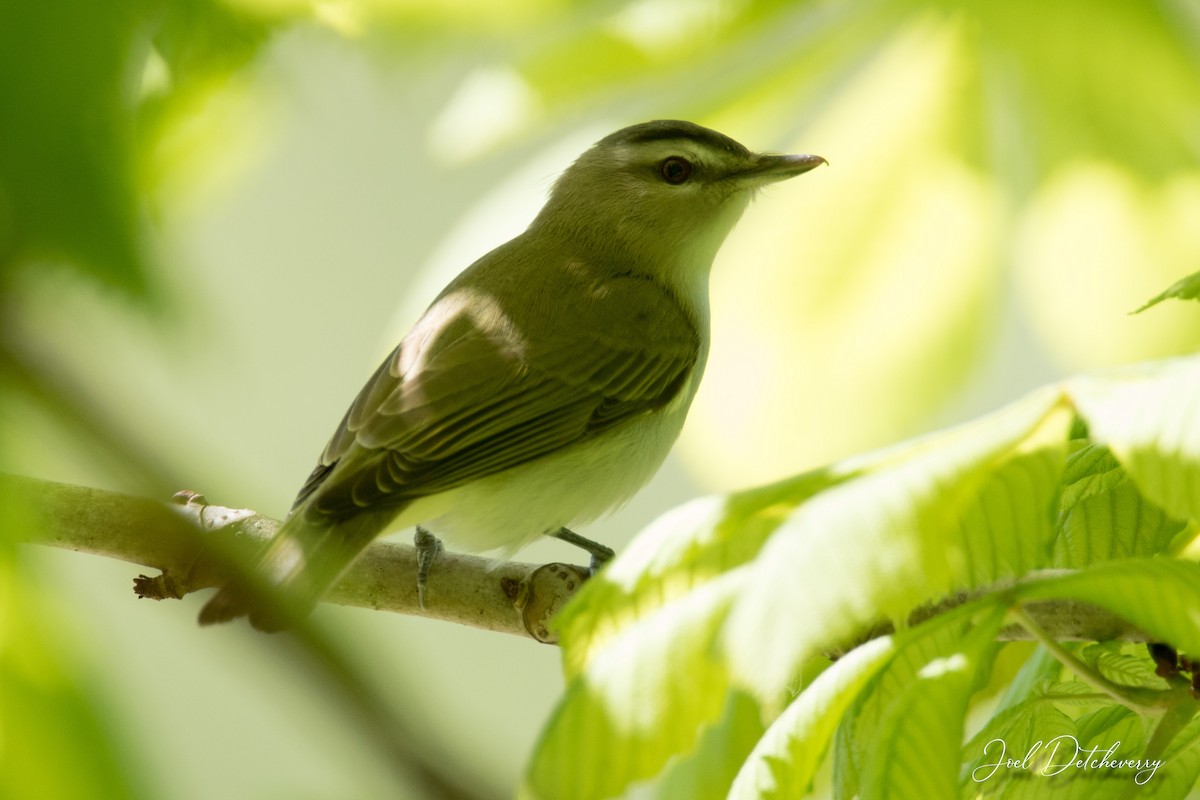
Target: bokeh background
(216, 217)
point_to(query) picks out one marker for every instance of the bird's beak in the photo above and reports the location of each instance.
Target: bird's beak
(770, 169)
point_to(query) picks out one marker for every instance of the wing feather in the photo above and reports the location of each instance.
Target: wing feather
(472, 391)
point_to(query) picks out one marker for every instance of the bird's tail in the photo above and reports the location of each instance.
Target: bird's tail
(301, 562)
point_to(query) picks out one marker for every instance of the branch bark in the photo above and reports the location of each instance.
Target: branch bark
(184, 540)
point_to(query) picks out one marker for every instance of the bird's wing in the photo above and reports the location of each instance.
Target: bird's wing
(470, 393)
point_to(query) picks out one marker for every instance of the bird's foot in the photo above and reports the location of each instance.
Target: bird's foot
(428, 547)
(601, 554)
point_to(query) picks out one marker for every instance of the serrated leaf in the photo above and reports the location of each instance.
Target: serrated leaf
(787, 757)
(904, 737)
(1112, 522)
(1114, 733)
(1145, 414)
(1011, 734)
(742, 591)
(918, 748)
(1183, 289)
(1090, 470)
(1053, 757)
(1123, 668)
(964, 508)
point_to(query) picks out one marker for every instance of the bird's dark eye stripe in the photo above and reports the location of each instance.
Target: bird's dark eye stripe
(675, 170)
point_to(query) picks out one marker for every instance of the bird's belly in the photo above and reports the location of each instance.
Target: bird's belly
(573, 486)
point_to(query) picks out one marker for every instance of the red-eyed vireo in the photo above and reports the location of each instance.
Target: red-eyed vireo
(547, 382)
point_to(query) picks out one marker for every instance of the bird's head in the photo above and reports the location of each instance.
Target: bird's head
(663, 191)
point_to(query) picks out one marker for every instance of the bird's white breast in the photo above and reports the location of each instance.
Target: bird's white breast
(505, 511)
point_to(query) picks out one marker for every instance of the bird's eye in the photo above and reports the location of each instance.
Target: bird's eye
(675, 170)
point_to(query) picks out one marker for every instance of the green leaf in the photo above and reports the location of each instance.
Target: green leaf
(1039, 668)
(1090, 470)
(1156, 594)
(904, 736)
(709, 769)
(1103, 516)
(1184, 289)
(787, 757)
(1180, 768)
(1145, 414)
(1053, 756)
(1011, 734)
(1123, 663)
(703, 591)
(682, 550)
(963, 508)
(199, 38)
(640, 699)
(916, 752)
(1072, 693)
(1113, 729)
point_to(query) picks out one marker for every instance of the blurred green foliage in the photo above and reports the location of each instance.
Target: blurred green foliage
(55, 739)
(1004, 158)
(66, 177)
(72, 102)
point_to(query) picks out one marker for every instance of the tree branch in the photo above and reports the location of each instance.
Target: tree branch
(184, 539)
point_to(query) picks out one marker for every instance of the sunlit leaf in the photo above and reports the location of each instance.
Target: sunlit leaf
(1038, 669)
(786, 759)
(686, 547)
(1104, 516)
(1089, 470)
(640, 699)
(964, 508)
(709, 769)
(354, 18)
(660, 41)
(1144, 414)
(1012, 734)
(904, 736)
(201, 38)
(1111, 728)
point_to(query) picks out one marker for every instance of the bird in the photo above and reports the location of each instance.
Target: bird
(545, 385)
